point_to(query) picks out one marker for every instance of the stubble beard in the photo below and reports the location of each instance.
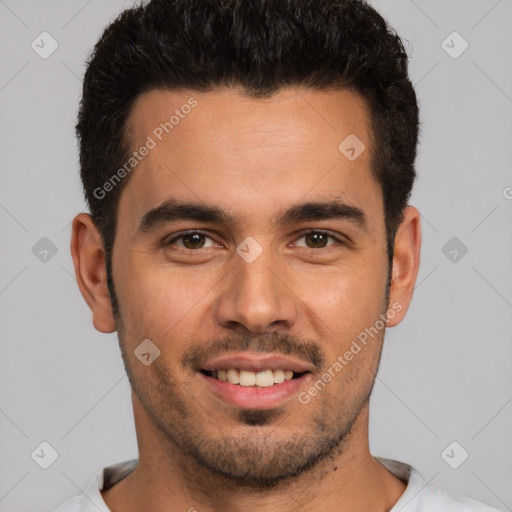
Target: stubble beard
(256, 459)
(259, 457)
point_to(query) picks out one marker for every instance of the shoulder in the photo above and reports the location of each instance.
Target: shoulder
(433, 499)
(91, 500)
(419, 496)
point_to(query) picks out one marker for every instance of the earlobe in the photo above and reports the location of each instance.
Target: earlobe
(406, 261)
(89, 262)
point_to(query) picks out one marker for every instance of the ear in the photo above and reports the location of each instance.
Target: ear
(406, 262)
(91, 275)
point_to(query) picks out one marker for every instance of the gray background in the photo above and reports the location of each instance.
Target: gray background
(446, 370)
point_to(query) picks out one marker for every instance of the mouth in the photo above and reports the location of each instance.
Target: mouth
(246, 378)
(255, 380)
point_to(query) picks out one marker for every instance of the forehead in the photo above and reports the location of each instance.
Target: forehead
(302, 118)
(249, 155)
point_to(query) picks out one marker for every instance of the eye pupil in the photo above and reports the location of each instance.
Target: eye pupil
(317, 239)
(199, 240)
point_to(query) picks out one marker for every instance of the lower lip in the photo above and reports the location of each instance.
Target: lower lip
(254, 397)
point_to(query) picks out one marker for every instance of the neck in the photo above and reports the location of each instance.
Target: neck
(167, 479)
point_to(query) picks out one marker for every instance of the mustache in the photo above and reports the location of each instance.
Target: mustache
(198, 355)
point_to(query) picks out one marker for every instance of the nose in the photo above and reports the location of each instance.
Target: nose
(256, 296)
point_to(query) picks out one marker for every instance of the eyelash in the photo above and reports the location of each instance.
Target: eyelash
(303, 234)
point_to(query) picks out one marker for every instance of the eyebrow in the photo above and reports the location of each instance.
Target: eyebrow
(174, 210)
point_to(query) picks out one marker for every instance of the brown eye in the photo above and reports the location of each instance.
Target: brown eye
(191, 241)
(316, 240)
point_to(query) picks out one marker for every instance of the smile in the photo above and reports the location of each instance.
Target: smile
(246, 378)
(247, 394)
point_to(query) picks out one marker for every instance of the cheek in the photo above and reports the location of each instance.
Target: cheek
(346, 323)
(157, 302)
(345, 300)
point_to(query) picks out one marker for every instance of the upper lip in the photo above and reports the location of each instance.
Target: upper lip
(257, 362)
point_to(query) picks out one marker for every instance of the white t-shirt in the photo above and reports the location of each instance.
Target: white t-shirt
(418, 496)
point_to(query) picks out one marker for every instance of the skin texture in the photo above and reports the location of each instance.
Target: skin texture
(311, 297)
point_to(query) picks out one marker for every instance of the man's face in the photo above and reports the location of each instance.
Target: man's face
(253, 288)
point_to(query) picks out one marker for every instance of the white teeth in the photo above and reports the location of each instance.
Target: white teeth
(278, 376)
(246, 378)
(233, 376)
(265, 379)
